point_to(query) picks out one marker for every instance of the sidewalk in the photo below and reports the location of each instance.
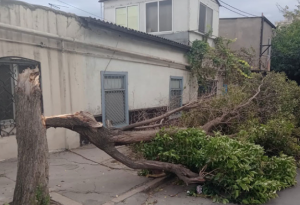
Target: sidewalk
(91, 179)
(88, 176)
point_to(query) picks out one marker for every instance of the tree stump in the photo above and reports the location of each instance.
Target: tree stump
(33, 169)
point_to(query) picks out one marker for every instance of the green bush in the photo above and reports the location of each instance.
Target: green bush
(276, 136)
(241, 172)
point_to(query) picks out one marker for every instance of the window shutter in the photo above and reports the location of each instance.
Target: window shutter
(152, 17)
(121, 17)
(209, 19)
(202, 18)
(133, 17)
(165, 15)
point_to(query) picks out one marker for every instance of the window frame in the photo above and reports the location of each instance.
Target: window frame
(126, 6)
(145, 16)
(181, 88)
(205, 27)
(113, 73)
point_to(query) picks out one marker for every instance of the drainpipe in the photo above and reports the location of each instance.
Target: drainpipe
(261, 39)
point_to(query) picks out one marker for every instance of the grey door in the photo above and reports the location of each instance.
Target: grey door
(115, 98)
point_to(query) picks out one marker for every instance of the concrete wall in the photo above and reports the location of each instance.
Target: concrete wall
(71, 72)
(267, 34)
(247, 32)
(185, 17)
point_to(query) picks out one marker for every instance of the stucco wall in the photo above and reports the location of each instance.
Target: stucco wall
(71, 72)
(247, 32)
(185, 17)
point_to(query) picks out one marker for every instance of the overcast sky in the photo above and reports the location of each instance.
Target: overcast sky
(255, 7)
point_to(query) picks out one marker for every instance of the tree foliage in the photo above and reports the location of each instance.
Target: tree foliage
(286, 46)
(239, 172)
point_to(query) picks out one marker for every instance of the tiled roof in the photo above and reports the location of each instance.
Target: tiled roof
(136, 33)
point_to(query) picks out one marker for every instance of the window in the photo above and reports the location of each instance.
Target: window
(205, 19)
(9, 71)
(114, 98)
(128, 17)
(207, 87)
(159, 16)
(176, 90)
(6, 93)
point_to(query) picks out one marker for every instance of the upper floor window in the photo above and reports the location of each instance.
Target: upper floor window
(128, 17)
(159, 16)
(205, 19)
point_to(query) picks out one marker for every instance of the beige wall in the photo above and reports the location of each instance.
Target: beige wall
(71, 71)
(247, 32)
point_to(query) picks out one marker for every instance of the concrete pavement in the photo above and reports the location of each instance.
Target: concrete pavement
(172, 194)
(91, 179)
(88, 176)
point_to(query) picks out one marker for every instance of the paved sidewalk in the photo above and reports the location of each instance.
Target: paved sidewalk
(88, 176)
(81, 179)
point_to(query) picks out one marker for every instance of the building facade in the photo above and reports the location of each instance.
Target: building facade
(250, 32)
(178, 20)
(86, 65)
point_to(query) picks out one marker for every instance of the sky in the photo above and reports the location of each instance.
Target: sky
(254, 7)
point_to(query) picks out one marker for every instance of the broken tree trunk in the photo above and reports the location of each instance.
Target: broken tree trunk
(106, 140)
(33, 170)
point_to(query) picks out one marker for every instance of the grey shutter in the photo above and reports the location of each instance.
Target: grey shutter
(114, 99)
(202, 18)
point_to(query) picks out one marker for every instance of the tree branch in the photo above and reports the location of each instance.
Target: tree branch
(183, 173)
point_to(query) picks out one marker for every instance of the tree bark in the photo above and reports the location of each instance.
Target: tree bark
(33, 169)
(106, 140)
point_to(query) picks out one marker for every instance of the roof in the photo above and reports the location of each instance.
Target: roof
(110, 0)
(265, 19)
(98, 22)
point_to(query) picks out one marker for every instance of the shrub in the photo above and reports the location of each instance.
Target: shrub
(276, 136)
(241, 172)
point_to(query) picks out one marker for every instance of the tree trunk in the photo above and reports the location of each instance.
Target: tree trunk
(33, 169)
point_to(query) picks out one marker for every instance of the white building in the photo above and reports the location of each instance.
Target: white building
(181, 20)
(86, 65)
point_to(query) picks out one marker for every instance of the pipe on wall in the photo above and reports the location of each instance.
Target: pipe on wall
(73, 40)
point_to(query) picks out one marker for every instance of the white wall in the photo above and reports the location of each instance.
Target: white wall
(185, 13)
(71, 77)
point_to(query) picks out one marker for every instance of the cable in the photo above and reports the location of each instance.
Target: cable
(237, 8)
(80, 9)
(235, 11)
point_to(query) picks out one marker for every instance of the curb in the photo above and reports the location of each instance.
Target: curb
(145, 187)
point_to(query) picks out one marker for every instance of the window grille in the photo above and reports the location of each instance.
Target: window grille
(176, 90)
(115, 99)
(9, 71)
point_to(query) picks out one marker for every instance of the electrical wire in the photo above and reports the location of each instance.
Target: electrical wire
(80, 9)
(234, 11)
(237, 8)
